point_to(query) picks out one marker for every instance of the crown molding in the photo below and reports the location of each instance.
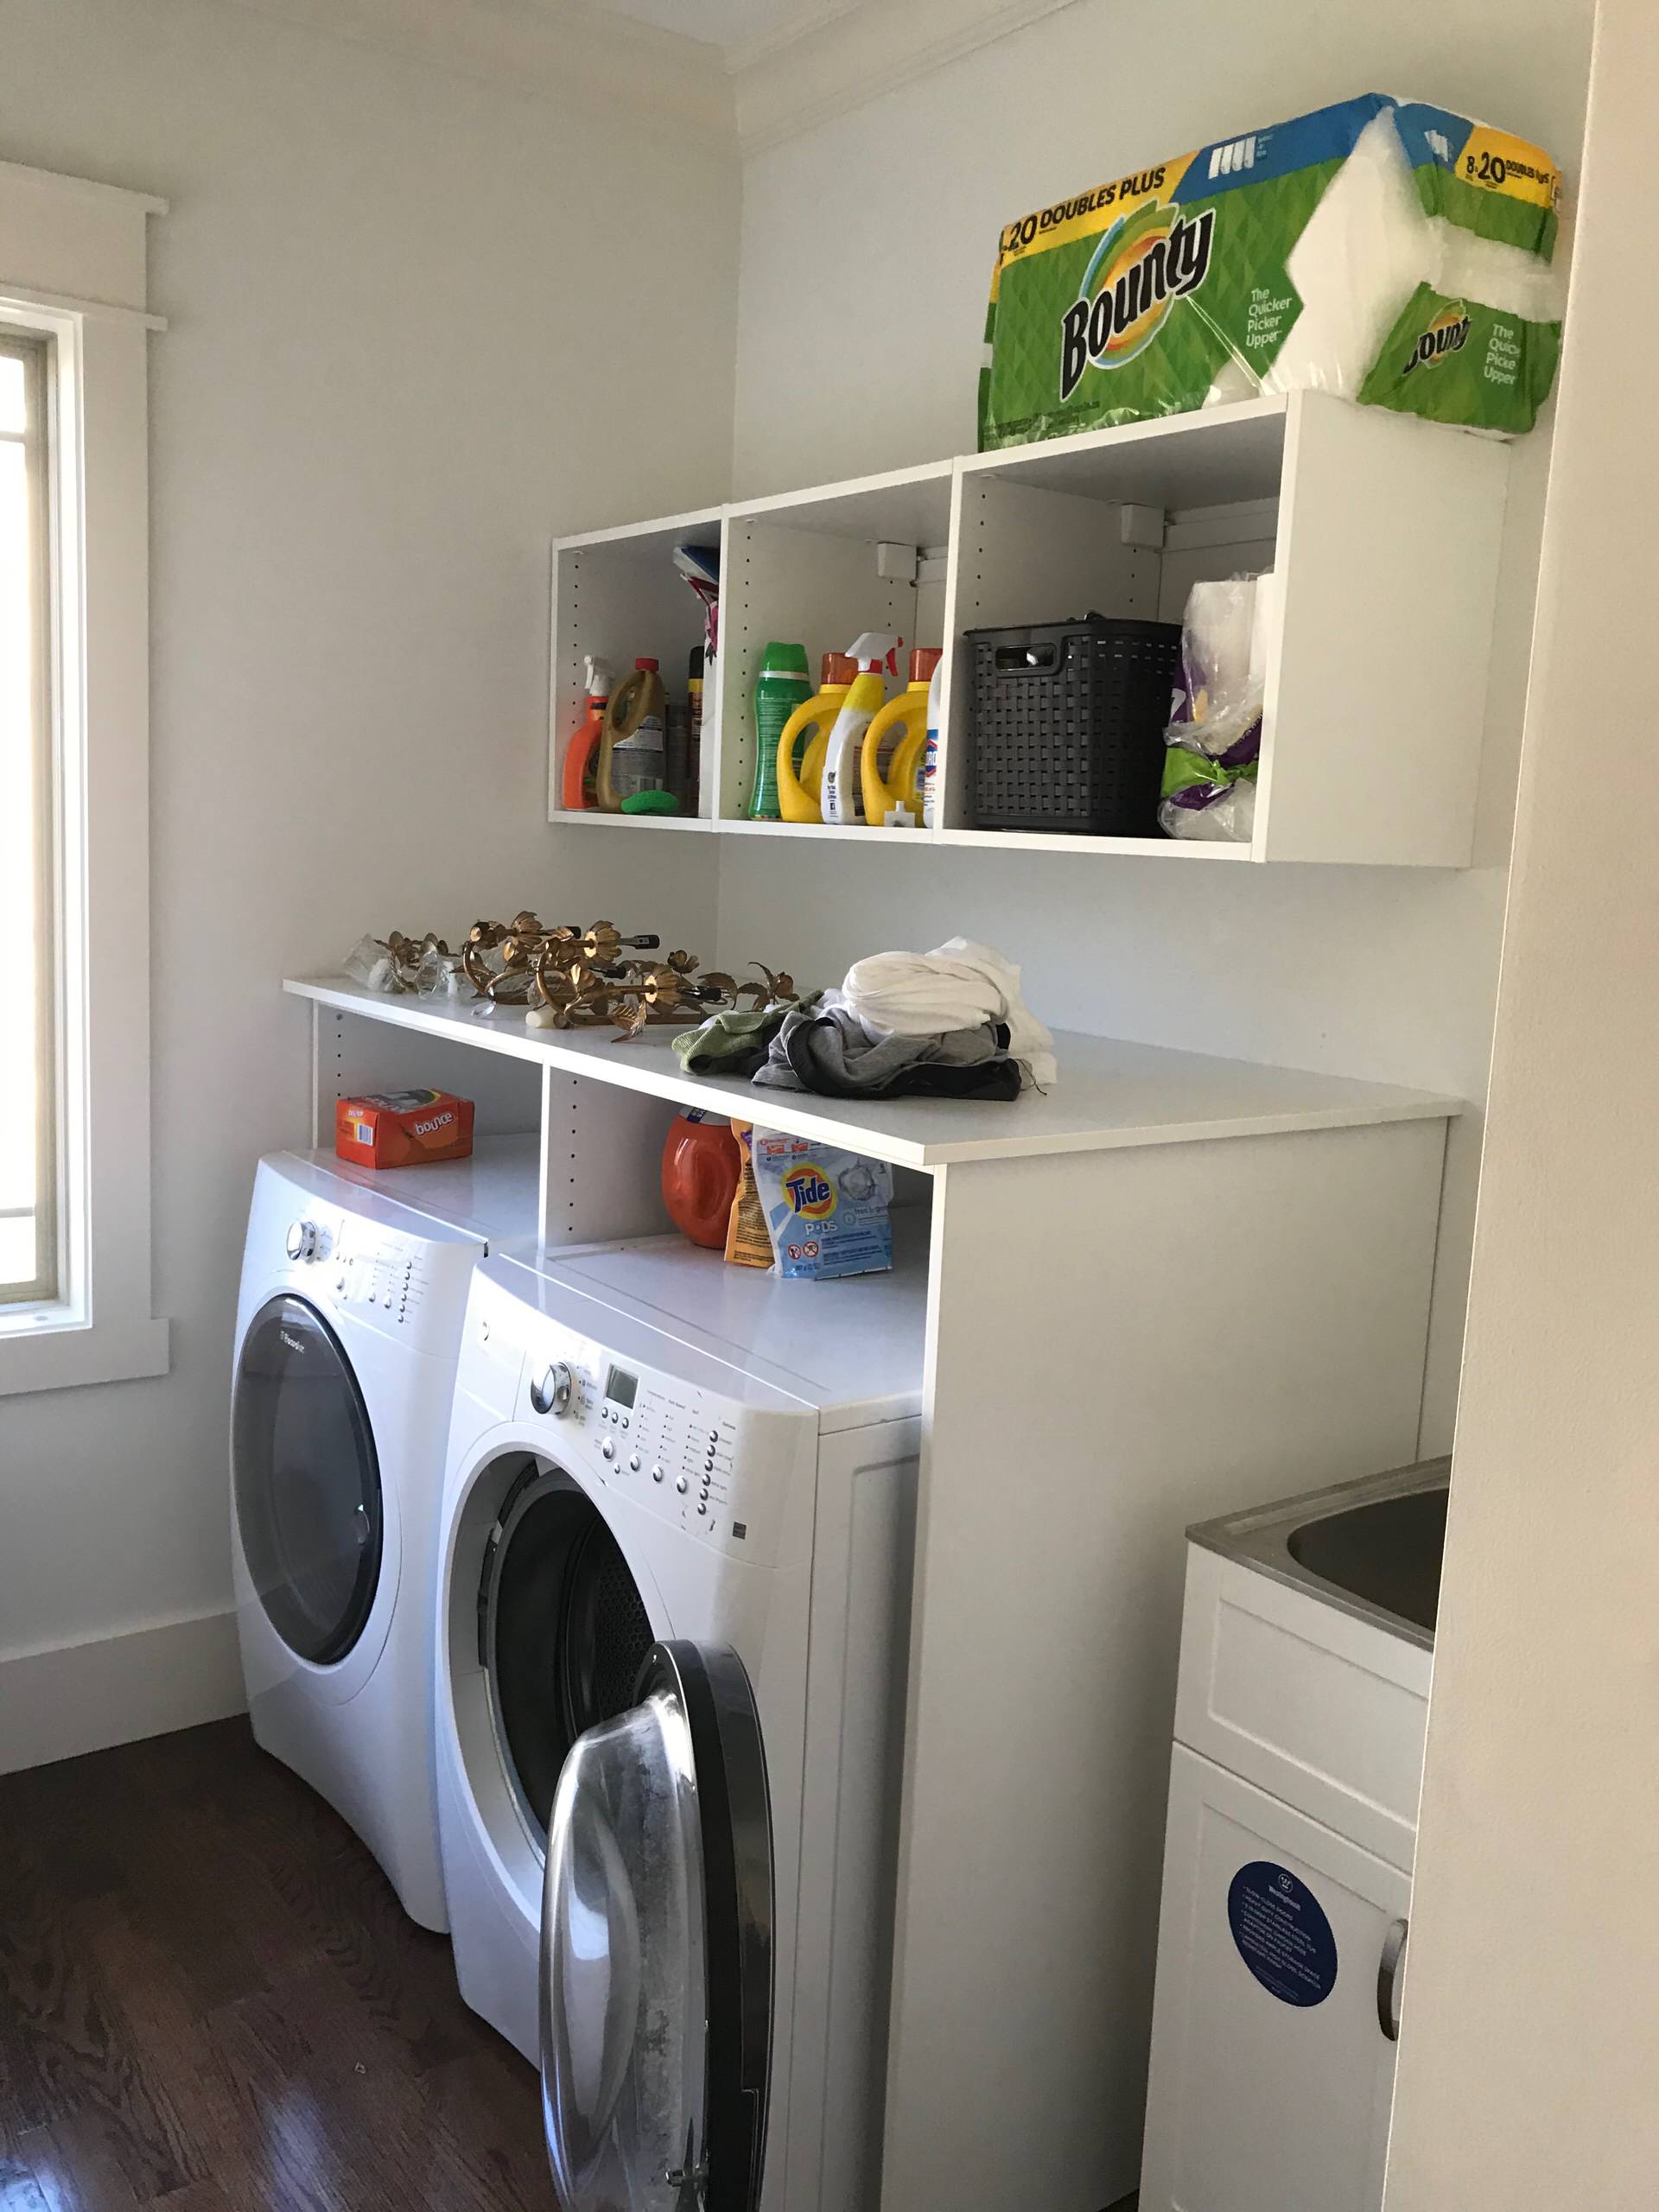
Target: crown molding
(558, 49)
(752, 53)
(846, 52)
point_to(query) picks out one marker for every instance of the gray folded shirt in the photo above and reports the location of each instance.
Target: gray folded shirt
(837, 1046)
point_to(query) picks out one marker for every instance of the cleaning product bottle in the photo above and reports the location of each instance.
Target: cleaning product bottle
(700, 1167)
(901, 728)
(844, 801)
(781, 686)
(634, 744)
(581, 754)
(805, 740)
(694, 741)
(930, 752)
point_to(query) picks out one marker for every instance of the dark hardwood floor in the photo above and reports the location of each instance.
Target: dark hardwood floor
(210, 2000)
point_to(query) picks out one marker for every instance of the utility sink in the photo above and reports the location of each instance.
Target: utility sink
(1373, 1547)
(1387, 1552)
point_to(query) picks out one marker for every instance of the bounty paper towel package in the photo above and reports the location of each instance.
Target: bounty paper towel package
(1384, 250)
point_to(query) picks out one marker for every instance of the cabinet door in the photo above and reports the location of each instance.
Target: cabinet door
(1272, 2074)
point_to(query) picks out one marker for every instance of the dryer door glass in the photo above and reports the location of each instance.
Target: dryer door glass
(655, 1989)
(308, 1482)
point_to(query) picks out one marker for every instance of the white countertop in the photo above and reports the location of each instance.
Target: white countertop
(1111, 1093)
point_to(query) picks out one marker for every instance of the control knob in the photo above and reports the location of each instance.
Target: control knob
(551, 1390)
(303, 1240)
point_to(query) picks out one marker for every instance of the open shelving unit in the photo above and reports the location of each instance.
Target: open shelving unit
(1383, 534)
(618, 597)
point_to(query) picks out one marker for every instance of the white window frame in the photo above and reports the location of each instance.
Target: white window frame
(72, 270)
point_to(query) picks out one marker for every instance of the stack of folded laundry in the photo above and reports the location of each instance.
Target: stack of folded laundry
(946, 1024)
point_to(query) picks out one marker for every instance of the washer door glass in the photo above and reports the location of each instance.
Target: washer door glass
(566, 1632)
(656, 1994)
(306, 1481)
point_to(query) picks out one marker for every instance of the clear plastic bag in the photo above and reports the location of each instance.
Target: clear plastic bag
(1214, 733)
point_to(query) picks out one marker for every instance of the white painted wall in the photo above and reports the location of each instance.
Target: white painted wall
(1531, 2034)
(891, 215)
(420, 321)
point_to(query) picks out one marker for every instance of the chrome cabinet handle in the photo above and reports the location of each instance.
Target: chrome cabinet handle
(1387, 1978)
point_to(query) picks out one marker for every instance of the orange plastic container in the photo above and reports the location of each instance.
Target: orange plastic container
(700, 1167)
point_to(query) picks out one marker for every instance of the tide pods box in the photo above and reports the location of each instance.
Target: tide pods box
(403, 1128)
(827, 1211)
(1385, 250)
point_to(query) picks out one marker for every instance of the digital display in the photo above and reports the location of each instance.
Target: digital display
(621, 1386)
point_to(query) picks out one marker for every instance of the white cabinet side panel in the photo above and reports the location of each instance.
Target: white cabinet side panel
(1389, 540)
(1121, 1345)
(863, 1536)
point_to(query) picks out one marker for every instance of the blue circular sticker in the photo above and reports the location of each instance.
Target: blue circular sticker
(1281, 1933)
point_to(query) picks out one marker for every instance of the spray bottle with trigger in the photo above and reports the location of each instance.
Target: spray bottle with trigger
(576, 789)
(843, 798)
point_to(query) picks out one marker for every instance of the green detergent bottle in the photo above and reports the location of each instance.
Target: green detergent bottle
(782, 685)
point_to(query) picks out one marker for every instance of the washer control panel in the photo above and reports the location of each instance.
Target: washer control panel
(687, 1455)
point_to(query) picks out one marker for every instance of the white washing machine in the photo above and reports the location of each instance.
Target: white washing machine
(353, 1292)
(678, 1513)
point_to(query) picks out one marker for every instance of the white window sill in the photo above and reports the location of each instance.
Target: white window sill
(38, 1353)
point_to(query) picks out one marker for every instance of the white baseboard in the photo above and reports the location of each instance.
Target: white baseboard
(115, 1689)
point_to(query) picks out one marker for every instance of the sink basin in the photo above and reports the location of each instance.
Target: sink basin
(1373, 1547)
(1388, 1553)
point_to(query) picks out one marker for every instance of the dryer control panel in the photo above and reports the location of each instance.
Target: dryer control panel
(360, 1265)
(375, 1269)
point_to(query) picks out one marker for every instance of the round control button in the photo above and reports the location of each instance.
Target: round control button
(702, 1505)
(625, 1421)
(607, 1449)
(657, 1474)
(681, 1485)
(553, 1390)
(633, 1462)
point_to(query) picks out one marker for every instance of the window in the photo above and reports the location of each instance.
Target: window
(28, 1092)
(74, 740)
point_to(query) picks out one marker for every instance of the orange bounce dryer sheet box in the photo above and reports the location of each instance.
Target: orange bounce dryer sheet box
(404, 1129)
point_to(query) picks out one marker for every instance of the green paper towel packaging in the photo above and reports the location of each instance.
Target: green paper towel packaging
(1390, 251)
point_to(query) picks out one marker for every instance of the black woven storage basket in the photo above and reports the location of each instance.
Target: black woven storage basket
(1068, 725)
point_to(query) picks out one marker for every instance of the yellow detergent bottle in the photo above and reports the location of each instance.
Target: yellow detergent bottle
(804, 739)
(844, 795)
(899, 730)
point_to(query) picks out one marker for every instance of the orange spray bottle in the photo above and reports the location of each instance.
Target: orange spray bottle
(581, 754)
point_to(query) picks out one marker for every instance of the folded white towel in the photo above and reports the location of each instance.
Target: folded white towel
(957, 986)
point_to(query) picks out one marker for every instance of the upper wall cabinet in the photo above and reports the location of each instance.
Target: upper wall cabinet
(1382, 532)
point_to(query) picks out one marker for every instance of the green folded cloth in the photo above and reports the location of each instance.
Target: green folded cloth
(736, 1042)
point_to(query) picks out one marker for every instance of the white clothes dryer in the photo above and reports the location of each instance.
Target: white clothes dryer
(680, 1493)
(353, 1290)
